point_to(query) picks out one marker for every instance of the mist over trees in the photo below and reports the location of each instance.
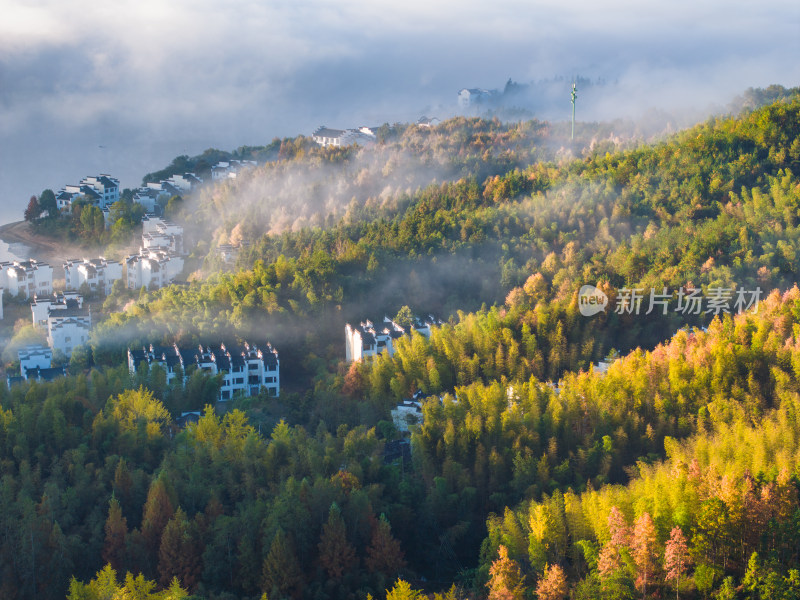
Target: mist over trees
(533, 473)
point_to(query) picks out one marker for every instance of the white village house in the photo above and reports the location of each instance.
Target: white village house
(324, 136)
(34, 356)
(245, 368)
(27, 277)
(35, 363)
(98, 273)
(158, 233)
(100, 190)
(150, 195)
(470, 96)
(152, 269)
(366, 340)
(68, 326)
(42, 304)
(231, 169)
(407, 414)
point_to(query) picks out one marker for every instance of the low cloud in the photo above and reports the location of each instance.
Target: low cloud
(124, 87)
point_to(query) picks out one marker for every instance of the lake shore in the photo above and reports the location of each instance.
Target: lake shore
(41, 248)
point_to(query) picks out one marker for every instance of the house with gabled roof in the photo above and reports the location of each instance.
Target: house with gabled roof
(68, 327)
(325, 136)
(26, 277)
(365, 339)
(97, 273)
(244, 368)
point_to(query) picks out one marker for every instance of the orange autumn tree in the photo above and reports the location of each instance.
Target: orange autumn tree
(506, 579)
(336, 554)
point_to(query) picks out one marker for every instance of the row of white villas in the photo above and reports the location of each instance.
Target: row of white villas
(26, 277)
(366, 340)
(99, 190)
(153, 267)
(325, 136)
(245, 368)
(97, 273)
(67, 322)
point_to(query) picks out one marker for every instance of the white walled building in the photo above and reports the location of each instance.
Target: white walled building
(152, 268)
(325, 136)
(35, 363)
(469, 96)
(148, 198)
(27, 277)
(106, 187)
(68, 327)
(407, 414)
(100, 190)
(367, 340)
(34, 356)
(244, 368)
(69, 194)
(158, 233)
(98, 273)
(186, 182)
(230, 169)
(42, 305)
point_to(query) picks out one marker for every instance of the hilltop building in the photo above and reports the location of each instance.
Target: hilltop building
(245, 368)
(428, 122)
(363, 136)
(471, 96)
(99, 190)
(366, 340)
(230, 169)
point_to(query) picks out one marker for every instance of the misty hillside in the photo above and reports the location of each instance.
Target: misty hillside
(557, 455)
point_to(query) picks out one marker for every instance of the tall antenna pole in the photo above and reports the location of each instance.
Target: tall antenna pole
(573, 95)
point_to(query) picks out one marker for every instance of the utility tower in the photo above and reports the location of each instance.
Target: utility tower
(573, 95)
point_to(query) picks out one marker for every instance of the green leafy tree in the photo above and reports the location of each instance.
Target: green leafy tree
(116, 530)
(48, 204)
(281, 574)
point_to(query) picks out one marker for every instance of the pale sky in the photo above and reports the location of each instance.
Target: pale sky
(123, 87)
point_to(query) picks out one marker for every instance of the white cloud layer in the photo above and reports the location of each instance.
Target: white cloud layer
(122, 87)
